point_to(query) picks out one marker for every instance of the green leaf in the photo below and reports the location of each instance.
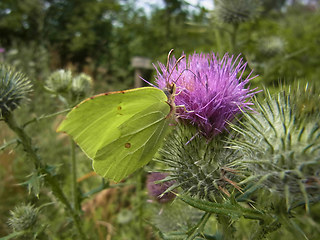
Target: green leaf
(120, 131)
(34, 183)
(198, 229)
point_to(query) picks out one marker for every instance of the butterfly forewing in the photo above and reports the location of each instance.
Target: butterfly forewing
(94, 123)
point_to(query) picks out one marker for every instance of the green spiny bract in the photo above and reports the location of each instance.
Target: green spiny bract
(200, 167)
(14, 87)
(236, 11)
(306, 98)
(281, 150)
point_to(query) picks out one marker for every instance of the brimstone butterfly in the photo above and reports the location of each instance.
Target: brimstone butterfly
(121, 131)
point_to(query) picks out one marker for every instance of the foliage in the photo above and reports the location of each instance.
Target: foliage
(227, 193)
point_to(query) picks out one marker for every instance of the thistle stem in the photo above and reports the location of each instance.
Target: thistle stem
(26, 141)
(75, 194)
(234, 38)
(45, 117)
(141, 205)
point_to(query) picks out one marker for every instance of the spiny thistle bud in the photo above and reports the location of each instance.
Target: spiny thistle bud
(81, 85)
(200, 167)
(236, 11)
(281, 150)
(59, 82)
(271, 46)
(23, 217)
(14, 87)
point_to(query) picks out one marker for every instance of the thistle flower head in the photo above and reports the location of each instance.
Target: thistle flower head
(199, 167)
(59, 81)
(14, 87)
(70, 89)
(237, 11)
(281, 150)
(23, 217)
(155, 190)
(81, 85)
(211, 89)
(271, 46)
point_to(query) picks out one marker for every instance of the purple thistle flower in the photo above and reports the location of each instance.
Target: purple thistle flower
(156, 189)
(2, 50)
(211, 89)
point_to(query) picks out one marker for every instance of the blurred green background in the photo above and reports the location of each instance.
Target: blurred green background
(278, 38)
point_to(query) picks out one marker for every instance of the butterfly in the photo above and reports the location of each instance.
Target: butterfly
(121, 131)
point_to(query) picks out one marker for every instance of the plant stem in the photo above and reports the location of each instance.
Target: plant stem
(75, 194)
(6, 144)
(234, 38)
(227, 209)
(140, 204)
(45, 117)
(25, 140)
(217, 33)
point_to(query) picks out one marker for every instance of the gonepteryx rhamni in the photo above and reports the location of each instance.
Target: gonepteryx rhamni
(121, 131)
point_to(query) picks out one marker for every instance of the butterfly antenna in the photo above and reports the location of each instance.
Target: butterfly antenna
(168, 58)
(175, 65)
(148, 82)
(183, 72)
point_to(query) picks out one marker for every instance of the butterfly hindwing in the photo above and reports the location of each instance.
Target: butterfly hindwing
(140, 138)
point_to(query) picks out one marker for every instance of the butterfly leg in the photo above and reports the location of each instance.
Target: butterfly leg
(184, 108)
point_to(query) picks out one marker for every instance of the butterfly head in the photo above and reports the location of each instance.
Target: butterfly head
(170, 91)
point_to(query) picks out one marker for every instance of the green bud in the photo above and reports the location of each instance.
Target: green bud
(281, 150)
(59, 82)
(14, 87)
(200, 167)
(23, 217)
(236, 11)
(271, 46)
(81, 85)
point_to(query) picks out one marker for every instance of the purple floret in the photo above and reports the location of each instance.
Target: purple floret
(211, 89)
